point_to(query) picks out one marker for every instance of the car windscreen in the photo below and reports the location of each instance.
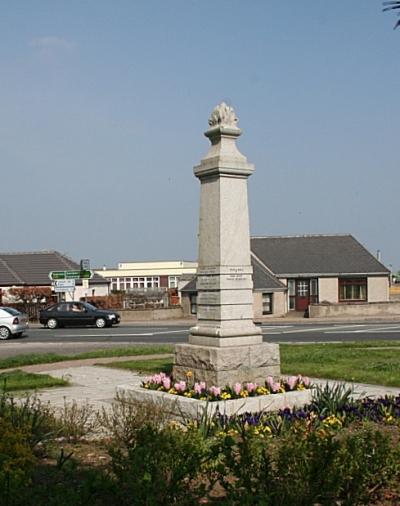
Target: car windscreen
(11, 311)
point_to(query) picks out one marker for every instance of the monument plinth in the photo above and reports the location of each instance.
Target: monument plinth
(225, 346)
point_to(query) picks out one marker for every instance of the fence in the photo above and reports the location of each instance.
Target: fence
(30, 308)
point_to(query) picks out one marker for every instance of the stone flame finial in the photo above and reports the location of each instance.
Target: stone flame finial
(223, 115)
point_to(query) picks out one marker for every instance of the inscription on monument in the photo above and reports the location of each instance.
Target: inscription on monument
(236, 277)
(208, 298)
(208, 282)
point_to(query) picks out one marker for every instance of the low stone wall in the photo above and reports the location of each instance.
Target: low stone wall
(372, 309)
(129, 315)
(193, 408)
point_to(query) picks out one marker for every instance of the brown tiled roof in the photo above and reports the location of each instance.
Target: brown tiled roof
(33, 268)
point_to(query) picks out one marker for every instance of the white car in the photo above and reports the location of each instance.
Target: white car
(12, 322)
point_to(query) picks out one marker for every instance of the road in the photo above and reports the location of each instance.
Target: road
(75, 340)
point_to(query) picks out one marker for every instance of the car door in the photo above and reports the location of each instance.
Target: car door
(62, 314)
(86, 316)
(77, 314)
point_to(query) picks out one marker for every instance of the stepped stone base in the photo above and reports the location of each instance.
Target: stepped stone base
(227, 365)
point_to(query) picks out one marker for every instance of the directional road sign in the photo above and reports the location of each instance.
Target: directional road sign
(81, 274)
(64, 283)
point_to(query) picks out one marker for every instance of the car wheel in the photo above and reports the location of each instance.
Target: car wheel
(100, 323)
(52, 323)
(4, 333)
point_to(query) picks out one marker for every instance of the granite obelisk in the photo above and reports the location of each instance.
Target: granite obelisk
(225, 346)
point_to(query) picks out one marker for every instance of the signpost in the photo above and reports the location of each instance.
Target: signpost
(64, 281)
(60, 275)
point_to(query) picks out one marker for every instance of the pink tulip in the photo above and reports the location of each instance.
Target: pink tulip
(180, 386)
(166, 382)
(250, 387)
(306, 381)
(199, 387)
(275, 387)
(215, 391)
(292, 382)
(270, 380)
(237, 388)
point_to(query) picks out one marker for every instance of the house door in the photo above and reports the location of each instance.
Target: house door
(302, 294)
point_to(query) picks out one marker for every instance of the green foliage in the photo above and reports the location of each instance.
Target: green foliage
(16, 460)
(331, 399)
(35, 419)
(75, 421)
(304, 468)
(159, 467)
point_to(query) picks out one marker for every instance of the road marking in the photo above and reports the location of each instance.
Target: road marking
(318, 329)
(122, 335)
(376, 330)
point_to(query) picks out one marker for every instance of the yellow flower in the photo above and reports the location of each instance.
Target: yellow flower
(332, 421)
(244, 393)
(187, 394)
(172, 391)
(225, 395)
(189, 374)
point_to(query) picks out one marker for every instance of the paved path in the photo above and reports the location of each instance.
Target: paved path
(96, 385)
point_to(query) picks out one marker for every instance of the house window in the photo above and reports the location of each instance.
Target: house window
(352, 289)
(147, 282)
(193, 304)
(314, 291)
(292, 293)
(172, 281)
(267, 303)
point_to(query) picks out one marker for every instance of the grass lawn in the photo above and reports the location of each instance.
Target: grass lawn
(48, 358)
(374, 362)
(19, 380)
(144, 366)
(358, 362)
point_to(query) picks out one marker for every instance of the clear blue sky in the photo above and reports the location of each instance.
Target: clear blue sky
(104, 104)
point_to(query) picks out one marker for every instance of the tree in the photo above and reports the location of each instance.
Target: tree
(391, 6)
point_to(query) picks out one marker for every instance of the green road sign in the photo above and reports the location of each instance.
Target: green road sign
(57, 275)
(54, 275)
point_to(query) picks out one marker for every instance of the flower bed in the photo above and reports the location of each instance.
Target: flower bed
(191, 400)
(198, 390)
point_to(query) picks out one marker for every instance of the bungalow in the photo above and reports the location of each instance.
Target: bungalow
(19, 270)
(292, 273)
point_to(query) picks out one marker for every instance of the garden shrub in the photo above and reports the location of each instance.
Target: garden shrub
(159, 467)
(302, 468)
(16, 461)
